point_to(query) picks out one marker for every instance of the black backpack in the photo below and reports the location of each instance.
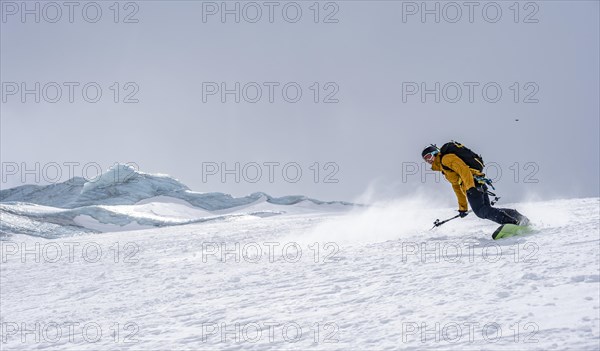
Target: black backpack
(472, 159)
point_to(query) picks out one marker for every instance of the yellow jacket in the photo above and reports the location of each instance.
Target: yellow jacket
(458, 174)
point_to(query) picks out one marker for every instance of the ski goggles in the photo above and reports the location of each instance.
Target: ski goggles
(430, 156)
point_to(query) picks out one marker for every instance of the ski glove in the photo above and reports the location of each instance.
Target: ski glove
(463, 214)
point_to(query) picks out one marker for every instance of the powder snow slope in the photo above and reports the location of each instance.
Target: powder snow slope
(371, 279)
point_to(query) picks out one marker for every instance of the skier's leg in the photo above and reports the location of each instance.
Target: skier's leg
(515, 216)
(483, 188)
(480, 204)
(521, 219)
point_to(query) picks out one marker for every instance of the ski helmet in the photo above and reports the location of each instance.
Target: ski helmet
(430, 149)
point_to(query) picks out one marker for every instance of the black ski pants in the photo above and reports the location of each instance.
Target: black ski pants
(480, 204)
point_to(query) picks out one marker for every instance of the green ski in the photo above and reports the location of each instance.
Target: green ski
(508, 230)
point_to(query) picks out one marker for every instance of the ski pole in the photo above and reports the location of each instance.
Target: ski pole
(437, 222)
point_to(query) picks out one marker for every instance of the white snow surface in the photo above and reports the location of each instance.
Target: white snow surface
(372, 278)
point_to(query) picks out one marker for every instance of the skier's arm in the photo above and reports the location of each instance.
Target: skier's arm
(454, 179)
(462, 198)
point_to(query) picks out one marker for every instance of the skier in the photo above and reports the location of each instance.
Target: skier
(463, 169)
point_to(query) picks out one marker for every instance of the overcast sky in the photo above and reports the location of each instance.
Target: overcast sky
(365, 63)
